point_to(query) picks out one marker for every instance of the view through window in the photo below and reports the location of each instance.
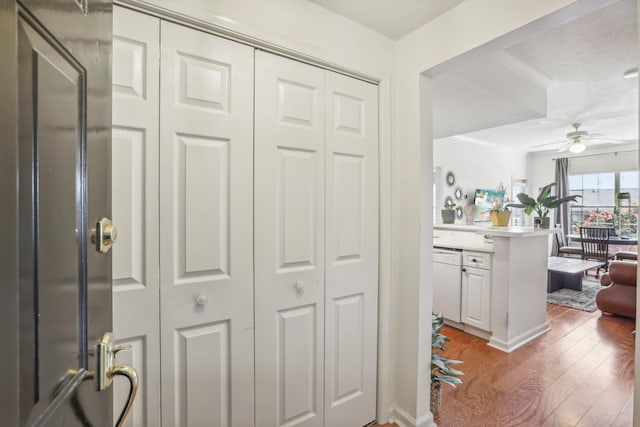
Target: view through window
(608, 199)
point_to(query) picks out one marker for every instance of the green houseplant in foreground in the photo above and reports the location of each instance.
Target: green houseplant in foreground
(441, 371)
(543, 204)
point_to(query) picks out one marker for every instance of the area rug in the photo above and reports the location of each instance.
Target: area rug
(585, 300)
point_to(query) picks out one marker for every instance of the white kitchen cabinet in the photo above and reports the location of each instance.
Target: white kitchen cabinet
(476, 290)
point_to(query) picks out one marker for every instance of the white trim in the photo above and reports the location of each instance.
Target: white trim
(385, 346)
(220, 28)
(403, 419)
(520, 340)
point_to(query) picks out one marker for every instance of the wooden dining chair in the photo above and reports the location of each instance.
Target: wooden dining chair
(564, 249)
(595, 246)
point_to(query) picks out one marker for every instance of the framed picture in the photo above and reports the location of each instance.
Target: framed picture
(486, 200)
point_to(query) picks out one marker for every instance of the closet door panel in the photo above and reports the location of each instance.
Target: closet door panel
(135, 208)
(206, 228)
(289, 243)
(351, 250)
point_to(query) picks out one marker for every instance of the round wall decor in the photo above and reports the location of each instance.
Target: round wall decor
(451, 179)
(458, 193)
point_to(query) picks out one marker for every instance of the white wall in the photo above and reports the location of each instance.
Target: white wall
(594, 159)
(295, 26)
(462, 29)
(475, 166)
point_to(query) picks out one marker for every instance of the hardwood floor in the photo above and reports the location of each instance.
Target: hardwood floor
(580, 373)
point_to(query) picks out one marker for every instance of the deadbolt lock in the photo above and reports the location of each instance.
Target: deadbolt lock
(104, 235)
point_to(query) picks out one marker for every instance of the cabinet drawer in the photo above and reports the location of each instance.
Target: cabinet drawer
(476, 259)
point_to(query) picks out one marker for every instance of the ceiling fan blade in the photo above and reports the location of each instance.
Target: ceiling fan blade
(550, 143)
(610, 140)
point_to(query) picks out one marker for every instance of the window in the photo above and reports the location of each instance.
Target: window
(518, 185)
(603, 203)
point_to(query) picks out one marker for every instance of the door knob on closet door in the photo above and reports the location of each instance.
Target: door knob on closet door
(299, 287)
(202, 299)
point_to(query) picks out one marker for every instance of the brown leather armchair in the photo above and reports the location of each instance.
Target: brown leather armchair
(620, 295)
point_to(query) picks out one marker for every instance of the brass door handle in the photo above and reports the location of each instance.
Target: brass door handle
(132, 376)
(106, 370)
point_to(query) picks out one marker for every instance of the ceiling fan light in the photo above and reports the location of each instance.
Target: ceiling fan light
(577, 147)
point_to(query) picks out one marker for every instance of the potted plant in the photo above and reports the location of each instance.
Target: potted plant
(448, 212)
(542, 205)
(441, 371)
(500, 216)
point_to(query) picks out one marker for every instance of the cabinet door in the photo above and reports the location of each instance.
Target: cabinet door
(289, 244)
(476, 297)
(206, 229)
(136, 298)
(351, 236)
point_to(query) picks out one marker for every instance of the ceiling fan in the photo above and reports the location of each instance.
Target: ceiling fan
(577, 140)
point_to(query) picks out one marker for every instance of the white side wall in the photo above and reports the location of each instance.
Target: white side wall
(476, 166)
(462, 29)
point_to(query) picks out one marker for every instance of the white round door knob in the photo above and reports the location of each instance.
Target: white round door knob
(299, 287)
(201, 299)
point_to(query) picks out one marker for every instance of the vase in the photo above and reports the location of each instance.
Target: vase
(541, 222)
(448, 216)
(469, 213)
(500, 218)
(436, 397)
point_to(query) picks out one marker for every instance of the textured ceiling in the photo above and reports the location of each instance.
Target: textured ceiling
(528, 95)
(578, 67)
(393, 18)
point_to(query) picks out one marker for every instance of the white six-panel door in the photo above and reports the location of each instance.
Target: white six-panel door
(206, 223)
(289, 248)
(316, 253)
(135, 209)
(351, 262)
(315, 213)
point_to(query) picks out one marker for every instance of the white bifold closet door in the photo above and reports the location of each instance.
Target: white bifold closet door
(351, 248)
(206, 223)
(316, 250)
(135, 209)
(289, 248)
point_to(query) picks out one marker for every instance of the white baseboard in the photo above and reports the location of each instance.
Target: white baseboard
(520, 340)
(403, 419)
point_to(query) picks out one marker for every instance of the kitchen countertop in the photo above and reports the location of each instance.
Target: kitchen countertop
(464, 244)
(517, 231)
(460, 227)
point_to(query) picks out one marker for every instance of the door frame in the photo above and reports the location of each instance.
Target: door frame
(9, 379)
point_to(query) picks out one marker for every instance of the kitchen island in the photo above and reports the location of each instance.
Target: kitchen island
(519, 285)
(507, 303)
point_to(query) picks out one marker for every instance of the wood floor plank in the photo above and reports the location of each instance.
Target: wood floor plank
(580, 373)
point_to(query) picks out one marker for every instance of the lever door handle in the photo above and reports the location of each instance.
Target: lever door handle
(106, 370)
(132, 376)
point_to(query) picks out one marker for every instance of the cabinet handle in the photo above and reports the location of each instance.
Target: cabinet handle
(474, 260)
(464, 270)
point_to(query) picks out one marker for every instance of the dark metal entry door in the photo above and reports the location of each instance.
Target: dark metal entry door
(63, 111)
